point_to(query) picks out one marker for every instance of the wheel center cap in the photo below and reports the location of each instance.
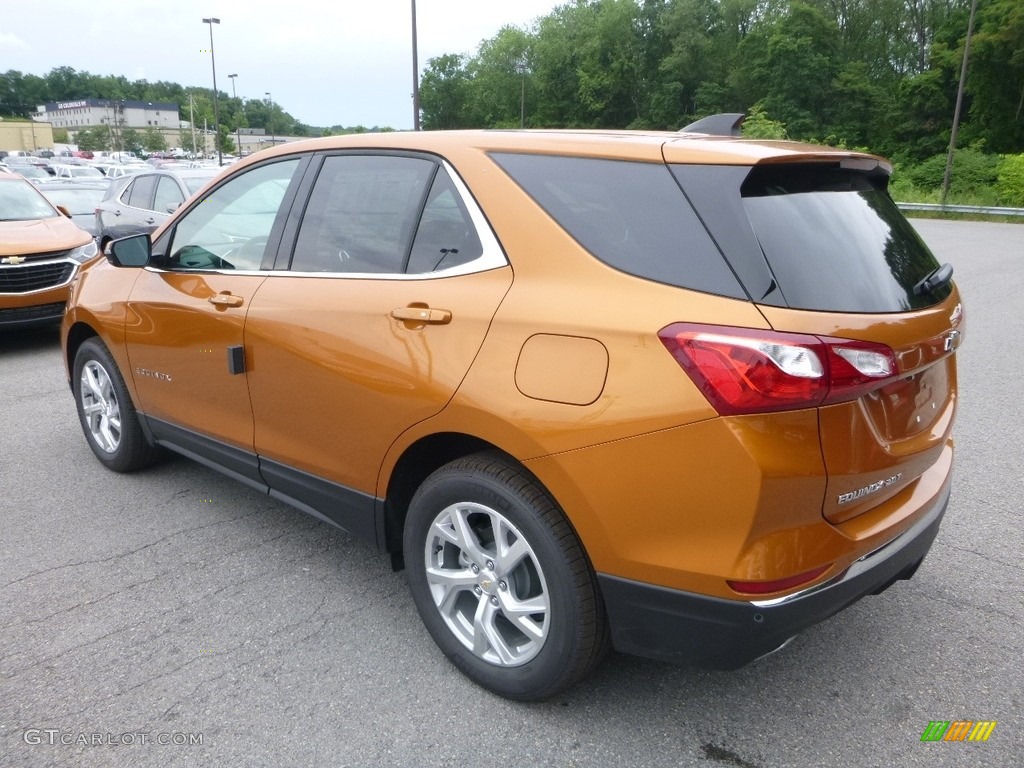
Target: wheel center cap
(488, 584)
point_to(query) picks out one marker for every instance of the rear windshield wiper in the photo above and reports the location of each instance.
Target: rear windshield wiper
(937, 278)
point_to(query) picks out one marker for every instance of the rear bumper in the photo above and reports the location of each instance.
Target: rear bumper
(686, 628)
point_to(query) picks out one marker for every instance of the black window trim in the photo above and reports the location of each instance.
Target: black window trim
(273, 240)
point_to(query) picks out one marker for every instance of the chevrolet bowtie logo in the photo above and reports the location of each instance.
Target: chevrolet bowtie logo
(12, 260)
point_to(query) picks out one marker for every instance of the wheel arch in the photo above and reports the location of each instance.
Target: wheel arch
(77, 334)
(417, 462)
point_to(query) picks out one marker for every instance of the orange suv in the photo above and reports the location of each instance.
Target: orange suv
(40, 252)
(674, 394)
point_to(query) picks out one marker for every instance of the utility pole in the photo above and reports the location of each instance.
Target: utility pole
(959, 103)
(238, 123)
(216, 112)
(192, 124)
(415, 75)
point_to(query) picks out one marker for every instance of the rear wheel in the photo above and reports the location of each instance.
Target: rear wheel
(106, 412)
(501, 580)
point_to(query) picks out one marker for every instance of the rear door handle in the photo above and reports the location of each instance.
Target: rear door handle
(422, 315)
(225, 300)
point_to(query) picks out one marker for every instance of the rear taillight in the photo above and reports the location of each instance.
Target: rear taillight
(743, 370)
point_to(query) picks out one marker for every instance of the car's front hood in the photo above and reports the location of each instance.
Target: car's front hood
(19, 238)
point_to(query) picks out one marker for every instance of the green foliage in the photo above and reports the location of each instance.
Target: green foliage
(129, 139)
(996, 81)
(153, 140)
(973, 171)
(93, 139)
(759, 126)
(225, 140)
(444, 94)
(60, 136)
(1010, 181)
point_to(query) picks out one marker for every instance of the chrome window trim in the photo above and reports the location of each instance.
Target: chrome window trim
(492, 255)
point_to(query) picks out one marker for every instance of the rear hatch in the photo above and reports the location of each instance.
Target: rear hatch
(822, 250)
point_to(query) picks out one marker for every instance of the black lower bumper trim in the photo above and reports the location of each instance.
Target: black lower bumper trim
(686, 628)
(39, 314)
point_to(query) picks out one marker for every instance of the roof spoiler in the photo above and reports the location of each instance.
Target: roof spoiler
(725, 124)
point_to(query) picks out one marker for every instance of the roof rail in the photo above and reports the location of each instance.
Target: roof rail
(725, 124)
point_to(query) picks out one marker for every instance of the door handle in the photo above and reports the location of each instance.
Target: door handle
(422, 315)
(225, 300)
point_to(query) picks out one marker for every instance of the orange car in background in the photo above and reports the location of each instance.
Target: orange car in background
(40, 252)
(677, 394)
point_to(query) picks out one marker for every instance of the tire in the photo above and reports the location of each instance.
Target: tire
(484, 543)
(106, 412)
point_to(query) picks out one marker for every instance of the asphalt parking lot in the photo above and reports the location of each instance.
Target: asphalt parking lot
(177, 618)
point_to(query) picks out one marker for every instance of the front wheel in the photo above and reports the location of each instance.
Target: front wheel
(106, 412)
(501, 581)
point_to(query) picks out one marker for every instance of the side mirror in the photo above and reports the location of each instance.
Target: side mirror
(64, 210)
(134, 251)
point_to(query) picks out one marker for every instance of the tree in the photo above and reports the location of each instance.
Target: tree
(444, 94)
(795, 67)
(996, 76)
(131, 140)
(759, 126)
(94, 139)
(225, 141)
(688, 70)
(153, 140)
(498, 73)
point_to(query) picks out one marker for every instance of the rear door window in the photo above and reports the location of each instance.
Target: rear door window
(140, 195)
(362, 214)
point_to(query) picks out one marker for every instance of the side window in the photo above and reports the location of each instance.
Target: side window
(361, 214)
(630, 215)
(229, 229)
(168, 195)
(141, 193)
(446, 236)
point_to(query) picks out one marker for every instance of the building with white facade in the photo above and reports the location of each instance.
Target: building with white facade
(117, 113)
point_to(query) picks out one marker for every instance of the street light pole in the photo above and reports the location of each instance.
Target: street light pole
(270, 119)
(216, 112)
(238, 127)
(415, 75)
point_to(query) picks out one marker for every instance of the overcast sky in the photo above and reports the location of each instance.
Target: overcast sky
(326, 62)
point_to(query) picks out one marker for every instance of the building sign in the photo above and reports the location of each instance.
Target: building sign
(71, 104)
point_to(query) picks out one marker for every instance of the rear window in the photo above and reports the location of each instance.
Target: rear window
(829, 238)
(632, 216)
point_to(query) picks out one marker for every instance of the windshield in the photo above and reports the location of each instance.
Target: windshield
(195, 184)
(19, 201)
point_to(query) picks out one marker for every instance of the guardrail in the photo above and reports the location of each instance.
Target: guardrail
(976, 209)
